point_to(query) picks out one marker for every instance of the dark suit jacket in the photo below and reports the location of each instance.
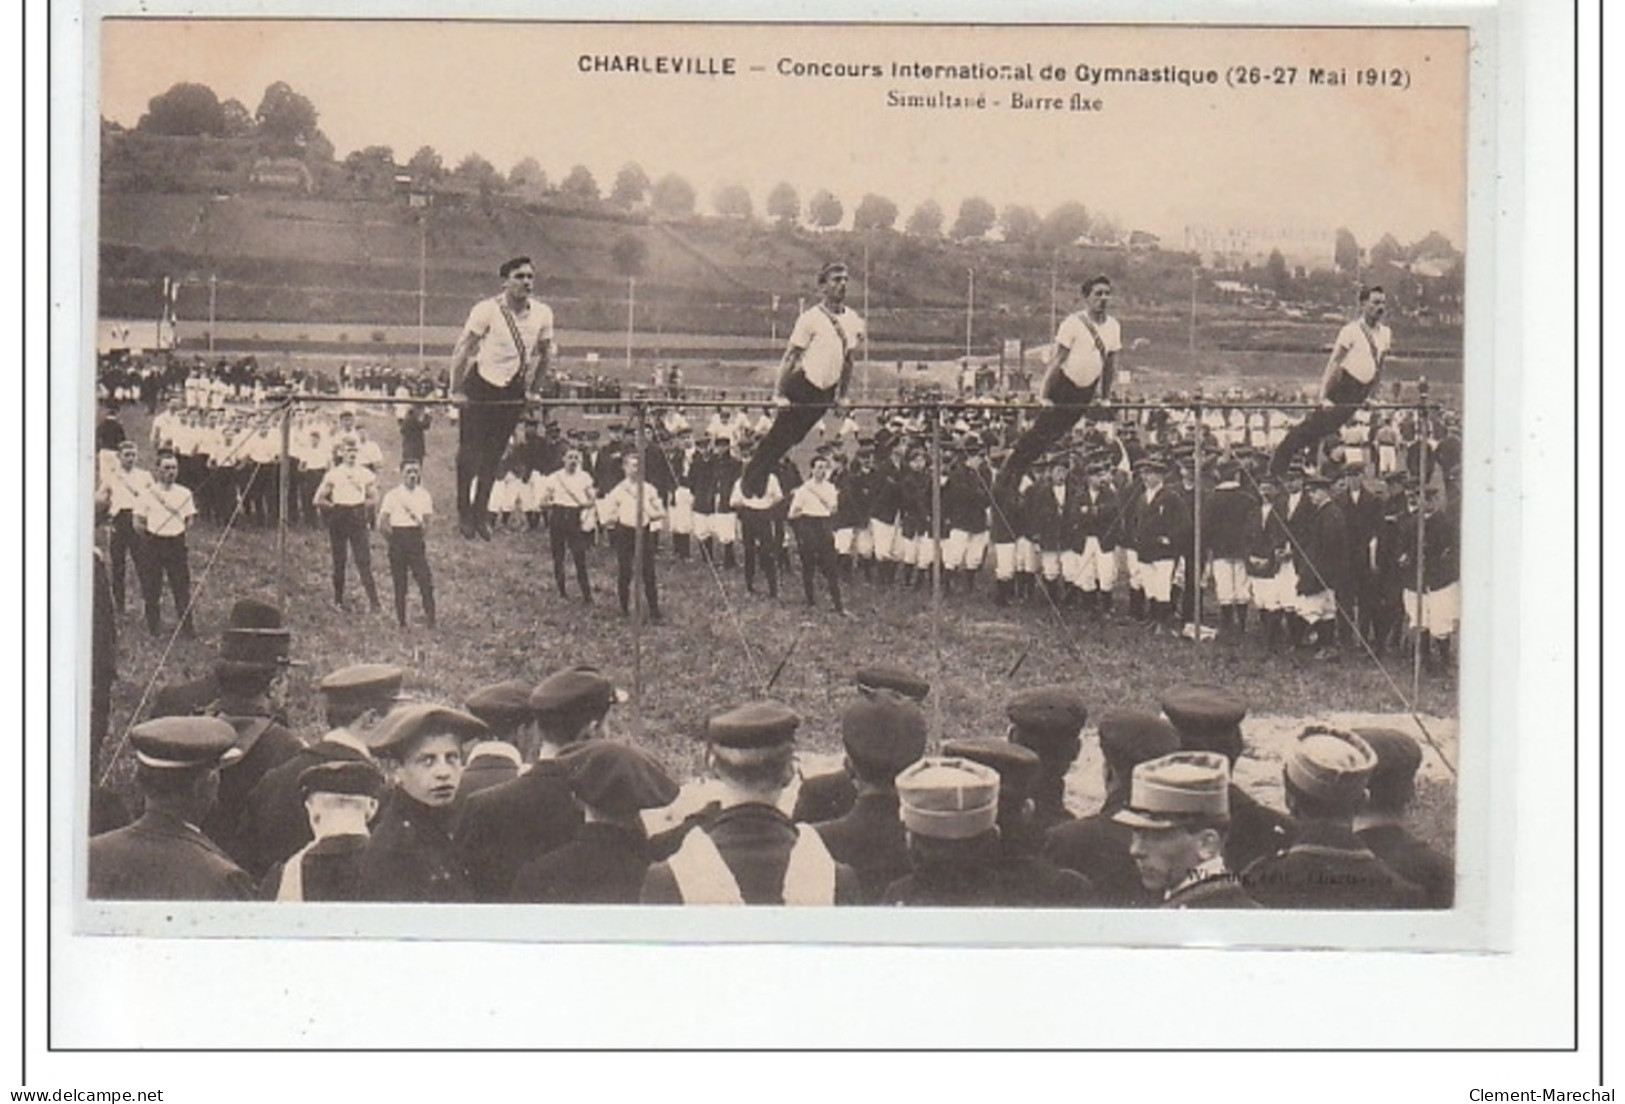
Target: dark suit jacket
(330, 870)
(1223, 892)
(503, 828)
(410, 856)
(1328, 868)
(274, 823)
(162, 858)
(869, 839)
(1414, 861)
(1256, 831)
(603, 865)
(1161, 526)
(271, 745)
(1097, 847)
(755, 841)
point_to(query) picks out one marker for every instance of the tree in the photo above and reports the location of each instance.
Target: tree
(976, 218)
(631, 186)
(426, 167)
(732, 201)
(371, 170)
(926, 221)
(1434, 245)
(1020, 224)
(1387, 251)
(1105, 229)
(527, 177)
(628, 255)
(874, 212)
(186, 109)
(235, 121)
(784, 204)
(672, 196)
(824, 210)
(318, 147)
(579, 184)
(478, 173)
(285, 114)
(1346, 253)
(1064, 225)
(1276, 274)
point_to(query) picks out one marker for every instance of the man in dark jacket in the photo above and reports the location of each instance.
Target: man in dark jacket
(883, 732)
(950, 809)
(1321, 555)
(1208, 718)
(830, 796)
(341, 799)
(503, 828)
(163, 856)
(1097, 846)
(1327, 866)
(1381, 827)
(1178, 811)
(1049, 720)
(410, 856)
(606, 861)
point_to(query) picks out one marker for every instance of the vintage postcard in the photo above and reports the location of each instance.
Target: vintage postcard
(939, 483)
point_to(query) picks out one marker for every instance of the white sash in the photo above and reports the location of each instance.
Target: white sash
(703, 877)
(292, 885)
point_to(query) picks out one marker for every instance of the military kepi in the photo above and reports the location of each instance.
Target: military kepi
(1174, 789)
(182, 743)
(753, 725)
(1330, 764)
(948, 798)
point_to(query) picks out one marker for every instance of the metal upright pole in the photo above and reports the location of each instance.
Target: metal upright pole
(631, 307)
(211, 313)
(423, 283)
(1193, 571)
(638, 552)
(970, 312)
(1421, 556)
(284, 497)
(936, 557)
(866, 316)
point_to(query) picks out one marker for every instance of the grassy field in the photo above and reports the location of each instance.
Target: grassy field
(501, 618)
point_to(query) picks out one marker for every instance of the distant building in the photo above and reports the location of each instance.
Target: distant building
(1143, 241)
(1231, 247)
(283, 174)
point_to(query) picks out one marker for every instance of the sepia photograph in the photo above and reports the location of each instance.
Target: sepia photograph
(865, 471)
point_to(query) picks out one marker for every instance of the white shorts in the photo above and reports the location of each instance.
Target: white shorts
(533, 493)
(1004, 562)
(504, 497)
(843, 541)
(1268, 594)
(1049, 562)
(964, 549)
(1316, 608)
(682, 511)
(1230, 582)
(1157, 580)
(884, 538)
(863, 543)
(1026, 555)
(722, 528)
(1441, 610)
(903, 549)
(925, 552)
(1131, 569)
(1097, 568)
(1387, 459)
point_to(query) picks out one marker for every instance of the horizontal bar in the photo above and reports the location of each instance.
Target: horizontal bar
(895, 404)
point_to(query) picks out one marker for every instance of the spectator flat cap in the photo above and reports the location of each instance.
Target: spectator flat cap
(1055, 711)
(753, 725)
(1130, 737)
(572, 691)
(410, 723)
(616, 778)
(1016, 765)
(1399, 756)
(948, 798)
(181, 743)
(887, 676)
(884, 728)
(363, 684)
(1167, 791)
(1330, 763)
(503, 706)
(344, 776)
(1207, 717)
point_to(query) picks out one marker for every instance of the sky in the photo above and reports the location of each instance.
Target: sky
(1272, 158)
